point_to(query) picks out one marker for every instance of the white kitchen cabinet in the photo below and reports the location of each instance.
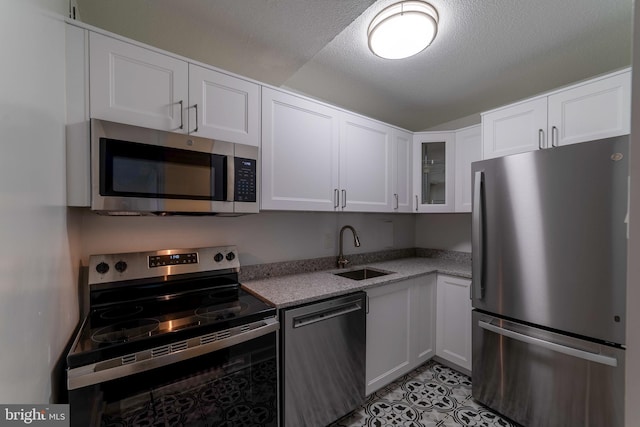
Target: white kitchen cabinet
(433, 171)
(514, 129)
(400, 329)
(223, 107)
(401, 173)
(365, 165)
(133, 85)
(594, 110)
(598, 108)
(318, 158)
(300, 143)
(468, 150)
(453, 323)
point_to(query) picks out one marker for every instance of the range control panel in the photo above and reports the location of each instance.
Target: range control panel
(140, 265)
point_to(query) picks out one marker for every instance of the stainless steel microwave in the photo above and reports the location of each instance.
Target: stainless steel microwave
(136, 170)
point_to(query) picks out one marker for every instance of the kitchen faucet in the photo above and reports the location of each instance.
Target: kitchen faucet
(342, 261)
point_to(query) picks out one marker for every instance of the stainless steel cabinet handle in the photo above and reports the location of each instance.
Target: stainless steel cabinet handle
(344, 198)
(477, 236)
(397, 203)
(322, 315)
(569, 351)
(181, 114)
(336, 198)
(540, 139)
(554, 136)
(416, 203)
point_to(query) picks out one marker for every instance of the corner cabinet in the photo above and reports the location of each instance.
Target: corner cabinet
(300, 143)
(453, 324)
(135, 85)
(401, 173)
(468, 150)
(595, 109)
(433, 171)
(400, 329)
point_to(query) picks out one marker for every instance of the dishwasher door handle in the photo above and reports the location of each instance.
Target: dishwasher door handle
(326, 314)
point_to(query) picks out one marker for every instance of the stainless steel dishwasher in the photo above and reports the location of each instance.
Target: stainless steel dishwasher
(323, 360)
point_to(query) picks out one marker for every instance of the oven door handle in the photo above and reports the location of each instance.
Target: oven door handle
(145, 360)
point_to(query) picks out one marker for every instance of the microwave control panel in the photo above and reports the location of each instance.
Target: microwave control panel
(245, 180)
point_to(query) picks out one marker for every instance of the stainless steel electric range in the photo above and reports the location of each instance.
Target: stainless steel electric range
(172, 339)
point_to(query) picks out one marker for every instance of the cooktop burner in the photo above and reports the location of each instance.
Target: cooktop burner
(125, 331)
(221, 311)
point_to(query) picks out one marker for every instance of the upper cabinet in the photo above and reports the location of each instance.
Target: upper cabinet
(223, 107)
(300, 143)
(402, 145)
(598, 108)
(468, 150)
(318, 158)
(138, 86)
(365, 165)
(433, 171)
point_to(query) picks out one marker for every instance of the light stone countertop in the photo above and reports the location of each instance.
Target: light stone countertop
(287, 291)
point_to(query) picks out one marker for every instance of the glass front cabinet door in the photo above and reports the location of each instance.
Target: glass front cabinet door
(433, 171)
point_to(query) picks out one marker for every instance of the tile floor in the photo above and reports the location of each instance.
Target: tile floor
(433, 395)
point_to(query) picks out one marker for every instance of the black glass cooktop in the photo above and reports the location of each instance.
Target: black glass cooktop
(128, 319)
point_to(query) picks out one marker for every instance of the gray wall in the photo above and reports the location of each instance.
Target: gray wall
(261, 238)
(444, 231)
(39, 252)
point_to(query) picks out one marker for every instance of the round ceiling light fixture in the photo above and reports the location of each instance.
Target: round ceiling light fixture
(403, 29)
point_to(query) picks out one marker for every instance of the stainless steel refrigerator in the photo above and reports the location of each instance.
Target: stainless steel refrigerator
(549, 239)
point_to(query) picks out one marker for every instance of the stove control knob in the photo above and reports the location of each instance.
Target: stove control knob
(102, 268)
(231, 256)
(121, 266)
(218, 257)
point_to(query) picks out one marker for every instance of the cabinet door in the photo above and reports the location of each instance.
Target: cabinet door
(453, 324)
(136, 86)
(365, 165)
(388, 336)
(423, 319)
(299, 153)
(228, 108)
(402, 145)
(599, 109)
(433, 171)
(515, 129)
(468, 150)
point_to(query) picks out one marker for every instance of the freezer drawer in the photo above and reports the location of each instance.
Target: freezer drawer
(541, 378)
(323, 360)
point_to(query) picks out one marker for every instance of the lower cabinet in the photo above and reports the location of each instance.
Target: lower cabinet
(453, 324)
(401, 325)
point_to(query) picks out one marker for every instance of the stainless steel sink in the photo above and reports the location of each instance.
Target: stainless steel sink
(363, 273)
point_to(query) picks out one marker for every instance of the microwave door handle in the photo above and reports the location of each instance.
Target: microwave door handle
(231, 177)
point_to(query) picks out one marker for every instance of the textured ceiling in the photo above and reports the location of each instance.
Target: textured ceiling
(487, 52)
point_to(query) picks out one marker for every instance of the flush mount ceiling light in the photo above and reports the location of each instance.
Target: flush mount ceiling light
(403, 29)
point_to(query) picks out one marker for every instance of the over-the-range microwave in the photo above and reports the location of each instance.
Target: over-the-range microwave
(140, 171)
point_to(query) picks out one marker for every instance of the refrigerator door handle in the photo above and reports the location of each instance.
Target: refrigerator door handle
(477, 231)
(570, 351)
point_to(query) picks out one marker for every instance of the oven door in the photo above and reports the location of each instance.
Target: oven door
(143, 170)
(232, 385)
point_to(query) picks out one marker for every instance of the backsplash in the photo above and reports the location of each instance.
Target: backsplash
(261, 271)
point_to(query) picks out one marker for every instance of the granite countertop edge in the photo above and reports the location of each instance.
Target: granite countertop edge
(297, 289)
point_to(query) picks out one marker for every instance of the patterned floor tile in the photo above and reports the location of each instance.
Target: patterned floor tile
(432, 395)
